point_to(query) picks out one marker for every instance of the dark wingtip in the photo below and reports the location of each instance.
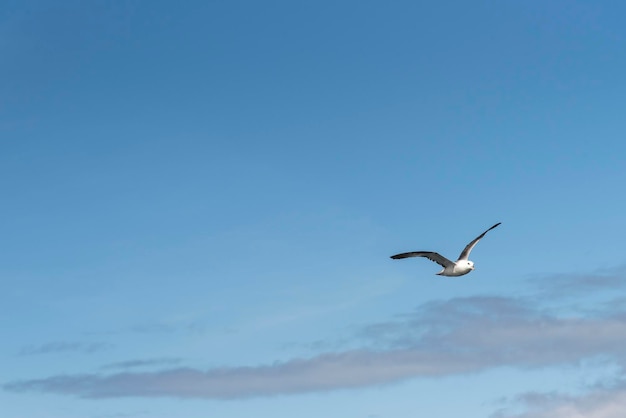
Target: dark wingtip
(400, 256)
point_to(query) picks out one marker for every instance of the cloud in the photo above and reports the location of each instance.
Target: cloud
(190, 327)
(607, 402)
(142, 363)
(60, 347)
(452, 337)
(568, 285)
(326, 372)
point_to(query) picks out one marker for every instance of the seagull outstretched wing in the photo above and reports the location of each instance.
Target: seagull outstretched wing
(436, 257)
(466, 251)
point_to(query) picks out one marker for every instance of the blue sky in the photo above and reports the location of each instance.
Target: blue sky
(200, 200)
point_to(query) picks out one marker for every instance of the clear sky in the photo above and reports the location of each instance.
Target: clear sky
(200, 198)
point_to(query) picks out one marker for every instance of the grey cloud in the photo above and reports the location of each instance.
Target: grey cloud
(458, 336)
(59, 347)
(567, 285)
(191, 327)
(326, 372)
(608, 402)
(142, 363)
(441, 319)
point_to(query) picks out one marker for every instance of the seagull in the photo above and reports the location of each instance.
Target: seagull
(450, 268)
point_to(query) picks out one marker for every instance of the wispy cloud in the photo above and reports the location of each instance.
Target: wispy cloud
(329, 371)
(60, 347)
(605, 402)
(568, 285)
(190, 327)
(456, 336)
(130, 364)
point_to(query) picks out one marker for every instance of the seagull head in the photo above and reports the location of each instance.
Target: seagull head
(470, 264)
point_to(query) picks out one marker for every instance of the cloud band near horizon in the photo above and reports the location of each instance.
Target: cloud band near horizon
(458, 336)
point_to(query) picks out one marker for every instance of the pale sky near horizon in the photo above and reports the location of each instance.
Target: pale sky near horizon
(199, 202)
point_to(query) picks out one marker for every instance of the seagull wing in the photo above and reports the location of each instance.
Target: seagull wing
(436, 257)
(466, 251)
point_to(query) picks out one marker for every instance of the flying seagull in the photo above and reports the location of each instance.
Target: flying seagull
(450, 268)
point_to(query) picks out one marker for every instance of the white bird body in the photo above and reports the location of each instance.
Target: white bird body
(450, 268)
(459, 268)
